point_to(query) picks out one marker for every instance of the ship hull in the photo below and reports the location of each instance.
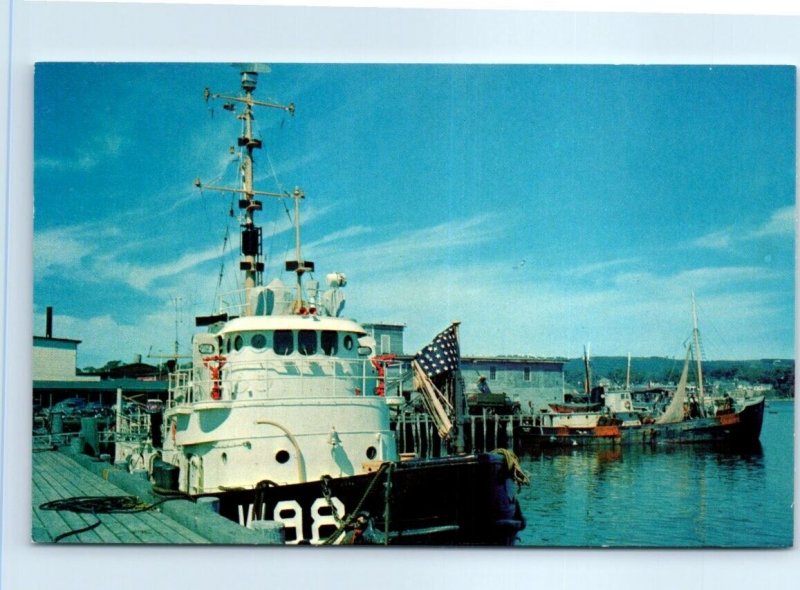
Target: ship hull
(740, 428)
(467, 500)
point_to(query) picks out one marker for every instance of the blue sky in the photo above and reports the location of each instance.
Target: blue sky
(545, 207)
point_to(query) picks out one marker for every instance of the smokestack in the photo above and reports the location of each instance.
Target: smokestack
(48, 330)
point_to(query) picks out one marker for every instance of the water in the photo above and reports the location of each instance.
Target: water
(679, 496)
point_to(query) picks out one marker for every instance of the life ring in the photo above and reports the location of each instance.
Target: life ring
(214, 364)
(627, 405)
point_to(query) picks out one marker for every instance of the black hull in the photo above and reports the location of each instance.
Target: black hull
(450, 501)
(740, 429)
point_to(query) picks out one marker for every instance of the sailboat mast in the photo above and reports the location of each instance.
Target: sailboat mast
(628, 375)
(698, 356)
(587, 370)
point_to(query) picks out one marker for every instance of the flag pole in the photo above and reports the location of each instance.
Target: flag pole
(458, 396)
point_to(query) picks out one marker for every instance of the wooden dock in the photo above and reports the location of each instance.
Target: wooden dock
(56, 476)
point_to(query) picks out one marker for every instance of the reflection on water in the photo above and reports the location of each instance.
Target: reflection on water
(665, 496)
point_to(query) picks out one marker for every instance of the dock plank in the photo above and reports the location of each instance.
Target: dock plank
(56, 476)
(60, 522)
(120, 528)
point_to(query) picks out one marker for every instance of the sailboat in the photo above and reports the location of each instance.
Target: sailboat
(686, 418)
(280, 419)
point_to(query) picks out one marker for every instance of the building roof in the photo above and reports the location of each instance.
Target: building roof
(127, 385)
(520, 360)
(40, 339)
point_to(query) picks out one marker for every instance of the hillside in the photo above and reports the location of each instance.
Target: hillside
(776, 372)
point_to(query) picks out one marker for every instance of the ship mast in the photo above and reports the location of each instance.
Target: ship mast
(250, 263)
(698, 357)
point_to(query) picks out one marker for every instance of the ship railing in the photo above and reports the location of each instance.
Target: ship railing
(289, 377)
(46, 442)
(132, 424)
(397, 378)
(234, 303)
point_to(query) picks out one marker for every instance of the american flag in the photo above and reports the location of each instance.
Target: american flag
(442, 355)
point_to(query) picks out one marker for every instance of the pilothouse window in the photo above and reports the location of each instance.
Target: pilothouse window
(283, 342)
(307, 342)
(330, 342)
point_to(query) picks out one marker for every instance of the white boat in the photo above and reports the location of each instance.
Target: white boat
(279, 416)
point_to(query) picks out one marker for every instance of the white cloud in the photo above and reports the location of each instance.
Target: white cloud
(63, 249)
(417, 247)
(85, 158)
(644, 313)
(104, 337)
(601, 267)
(344, 234)
(718, 240)
(141, 277)
(780, 224)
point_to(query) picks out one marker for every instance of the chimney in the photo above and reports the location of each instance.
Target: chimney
(48, 331)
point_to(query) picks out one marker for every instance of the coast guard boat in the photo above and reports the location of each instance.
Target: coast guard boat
(280, 416)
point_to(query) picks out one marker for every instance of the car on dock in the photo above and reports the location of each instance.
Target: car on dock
(492, 403)
(96, 410)
(71, 407)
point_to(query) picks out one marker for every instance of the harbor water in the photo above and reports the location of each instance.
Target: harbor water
(665, 496)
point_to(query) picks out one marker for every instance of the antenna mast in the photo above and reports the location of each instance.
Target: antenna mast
(250, 263)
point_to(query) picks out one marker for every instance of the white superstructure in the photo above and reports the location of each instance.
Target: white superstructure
(281, 388)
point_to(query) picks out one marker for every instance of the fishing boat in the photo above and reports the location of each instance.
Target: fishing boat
(281, 419)
(677, 417)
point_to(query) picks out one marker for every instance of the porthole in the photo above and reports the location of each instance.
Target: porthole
(282, 456)
(348, 342)
(238, 342)
(224, 457)
(372, 452)
(258, 341)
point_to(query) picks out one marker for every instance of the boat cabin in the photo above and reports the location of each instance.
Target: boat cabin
(259, 357)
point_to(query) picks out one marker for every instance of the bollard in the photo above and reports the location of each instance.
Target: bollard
(76, 445)
(56, 423)
(89, 435)
(210, 502)
(273, 530)
(141, 474)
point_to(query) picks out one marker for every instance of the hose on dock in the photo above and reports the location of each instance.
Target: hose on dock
(95, 505)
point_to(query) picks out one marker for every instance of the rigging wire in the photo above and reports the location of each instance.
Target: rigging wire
(281, 189)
